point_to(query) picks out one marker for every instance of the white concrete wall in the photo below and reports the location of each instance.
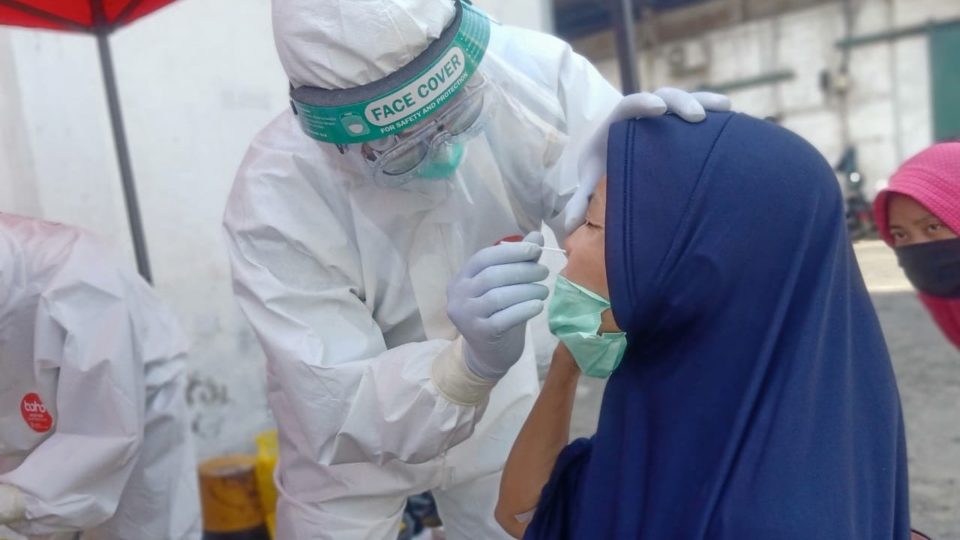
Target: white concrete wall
(16, 168)
(889, 97)
(197, 80)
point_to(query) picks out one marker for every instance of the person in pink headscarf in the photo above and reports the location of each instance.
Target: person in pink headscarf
(918, 215)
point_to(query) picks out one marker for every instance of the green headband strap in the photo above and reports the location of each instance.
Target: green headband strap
(398, 101)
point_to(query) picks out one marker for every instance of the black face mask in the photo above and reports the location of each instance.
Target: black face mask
(933, 267)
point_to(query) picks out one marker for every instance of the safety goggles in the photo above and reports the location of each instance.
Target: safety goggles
(396, 157)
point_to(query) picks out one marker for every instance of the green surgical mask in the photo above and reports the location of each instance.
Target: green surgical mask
(574, 318)
(444, 162)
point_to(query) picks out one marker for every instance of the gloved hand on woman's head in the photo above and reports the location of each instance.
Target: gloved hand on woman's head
(592, 161)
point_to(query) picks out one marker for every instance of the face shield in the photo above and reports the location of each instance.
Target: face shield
(433, 148)
(413, 121)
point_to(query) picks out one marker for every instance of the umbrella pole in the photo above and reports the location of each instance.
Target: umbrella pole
(623, 29)
(123, 157)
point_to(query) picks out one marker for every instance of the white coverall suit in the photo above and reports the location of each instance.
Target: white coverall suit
(94, 430)
(344, 282)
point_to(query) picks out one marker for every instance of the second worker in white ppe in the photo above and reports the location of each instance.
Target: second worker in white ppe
(94, 429)
(363, 231)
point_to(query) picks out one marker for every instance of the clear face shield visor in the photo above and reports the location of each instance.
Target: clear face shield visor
(438, 139)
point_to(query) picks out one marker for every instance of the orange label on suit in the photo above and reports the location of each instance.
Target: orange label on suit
(35, 413)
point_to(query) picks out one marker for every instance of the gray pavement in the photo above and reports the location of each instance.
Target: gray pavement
(928, 374)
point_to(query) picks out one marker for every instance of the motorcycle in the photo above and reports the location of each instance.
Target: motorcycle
(858, 210)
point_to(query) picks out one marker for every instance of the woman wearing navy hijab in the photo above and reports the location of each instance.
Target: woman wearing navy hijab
(755, 399)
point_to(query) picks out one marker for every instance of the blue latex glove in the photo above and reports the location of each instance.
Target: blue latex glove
(491, 300)
(592, 165)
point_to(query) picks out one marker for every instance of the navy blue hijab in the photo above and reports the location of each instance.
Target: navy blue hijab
(756, 399)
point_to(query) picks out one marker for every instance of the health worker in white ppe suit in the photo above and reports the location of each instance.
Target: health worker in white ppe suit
(362, 228)
(94, 432)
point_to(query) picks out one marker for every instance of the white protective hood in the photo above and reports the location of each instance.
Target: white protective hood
(337, 44)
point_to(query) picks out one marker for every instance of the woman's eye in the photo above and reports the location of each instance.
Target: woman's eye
(934, 227)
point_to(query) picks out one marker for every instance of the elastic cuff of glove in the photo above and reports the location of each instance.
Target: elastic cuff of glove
(454, 379)
(11, 504)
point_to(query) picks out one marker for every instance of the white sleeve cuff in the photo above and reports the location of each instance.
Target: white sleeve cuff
(454, 379)
(11, 504)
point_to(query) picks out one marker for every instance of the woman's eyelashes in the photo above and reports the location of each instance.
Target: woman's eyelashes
(593, 225)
